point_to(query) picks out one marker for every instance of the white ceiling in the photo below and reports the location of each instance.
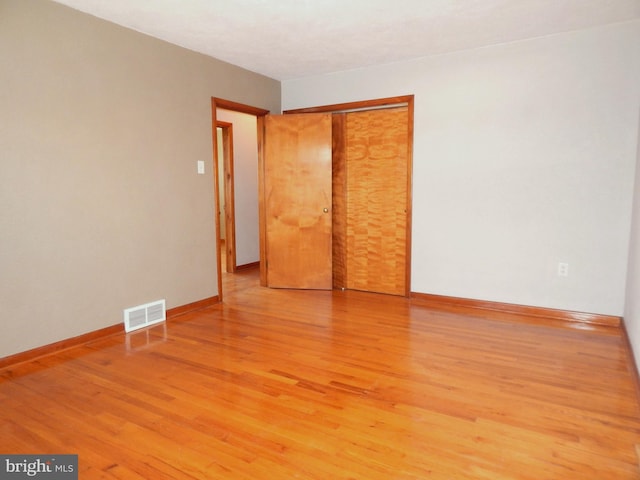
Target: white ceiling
(286, 39)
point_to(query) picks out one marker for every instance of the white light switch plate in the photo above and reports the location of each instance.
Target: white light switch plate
(201, 167)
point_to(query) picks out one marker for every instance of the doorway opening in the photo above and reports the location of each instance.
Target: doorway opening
(234, 177)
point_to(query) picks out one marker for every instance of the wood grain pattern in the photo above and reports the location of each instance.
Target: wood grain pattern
(377, 200)
(101, 333)
(341, 194)
(402, 100)
(459, 304)
(297, 188)
(339, 201)
(190, 307)
(262, 222)
(229, 195)
(329, 384)
(409, 212)
(631, 360)
(237, 107)
(51, 348)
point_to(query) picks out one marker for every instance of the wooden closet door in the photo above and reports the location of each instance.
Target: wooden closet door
(297, 198)
(377, 157)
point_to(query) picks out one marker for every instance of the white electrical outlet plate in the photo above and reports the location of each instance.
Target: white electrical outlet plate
(201, 167)
(563, 269)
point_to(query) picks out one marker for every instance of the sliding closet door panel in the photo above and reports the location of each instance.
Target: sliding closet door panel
(377, 200)
(297, 190)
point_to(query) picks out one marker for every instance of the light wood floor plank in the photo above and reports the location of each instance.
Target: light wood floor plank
(342, 385)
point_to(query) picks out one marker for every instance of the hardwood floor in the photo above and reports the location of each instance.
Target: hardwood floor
(278, 384)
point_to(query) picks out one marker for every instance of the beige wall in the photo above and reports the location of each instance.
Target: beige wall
(100, 204)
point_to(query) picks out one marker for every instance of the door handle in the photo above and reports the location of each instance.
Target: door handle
(325, 210)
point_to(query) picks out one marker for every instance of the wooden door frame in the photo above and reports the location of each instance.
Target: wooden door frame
(228, 185)
(389, 102)
(259, 113)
